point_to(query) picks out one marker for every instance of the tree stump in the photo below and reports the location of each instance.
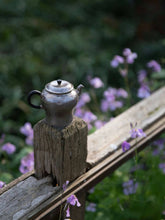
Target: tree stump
(60, 153)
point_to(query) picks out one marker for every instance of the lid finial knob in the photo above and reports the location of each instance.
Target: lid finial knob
(59, 81)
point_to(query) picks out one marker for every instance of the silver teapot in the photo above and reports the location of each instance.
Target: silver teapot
(58, 99)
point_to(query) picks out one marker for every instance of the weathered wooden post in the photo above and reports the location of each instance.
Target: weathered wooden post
(60, 140)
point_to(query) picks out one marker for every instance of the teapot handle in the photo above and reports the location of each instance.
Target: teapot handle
(34, 92)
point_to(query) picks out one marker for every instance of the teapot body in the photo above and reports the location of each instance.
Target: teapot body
(58, 99)
(59, 108)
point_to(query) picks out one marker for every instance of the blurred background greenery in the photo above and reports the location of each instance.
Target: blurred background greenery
(45, 40)
(41, 41)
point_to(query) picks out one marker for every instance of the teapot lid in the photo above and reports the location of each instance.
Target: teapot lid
(59, 87)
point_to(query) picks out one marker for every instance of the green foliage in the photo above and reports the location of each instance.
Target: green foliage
(146, 203)
(9, 166)
(159, 76)
(45, 40)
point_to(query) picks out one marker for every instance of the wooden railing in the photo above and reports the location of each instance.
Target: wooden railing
(29, 198)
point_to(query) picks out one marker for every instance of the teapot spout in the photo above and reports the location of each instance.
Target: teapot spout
(79, 88)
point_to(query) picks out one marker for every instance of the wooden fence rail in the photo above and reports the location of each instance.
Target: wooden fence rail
(29, 198)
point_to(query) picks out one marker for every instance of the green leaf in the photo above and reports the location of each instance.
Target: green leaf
(160, 75)
(6, 177)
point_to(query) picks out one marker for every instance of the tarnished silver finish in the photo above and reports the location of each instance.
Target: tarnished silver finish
(58, 99)
(59, 87)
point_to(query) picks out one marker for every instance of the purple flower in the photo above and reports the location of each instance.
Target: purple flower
(110, 101)
(68, 212)
(2, 184)
(136, 132)
(125, 146)
(123, 72)
(110, 94)
(116, 61)
(29, 140)
(89, 116)
(64, 186)
(126, 52)
(27, 163)
(9, 148)
(122, 93)
(129, 187)
(84, 98)
(79, 112)
(162, 167)
(115, 104)
(98, 124)
(28, 132)
(130, 56)
(90, 126)
(156, 152)
(160, 143)
(26, 129)
(119, 59)
(143, 91)
(91, 207)
(104, 105)
(96, 82)
(142, 76)
(130, 59)
(72, 200)
(155, 66)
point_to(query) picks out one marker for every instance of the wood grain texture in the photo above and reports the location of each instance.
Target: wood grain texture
(14, 182)
(24, 197)
(150, 115)
(60, 153)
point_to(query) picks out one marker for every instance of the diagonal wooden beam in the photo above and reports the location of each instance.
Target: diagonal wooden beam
(116, 131)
